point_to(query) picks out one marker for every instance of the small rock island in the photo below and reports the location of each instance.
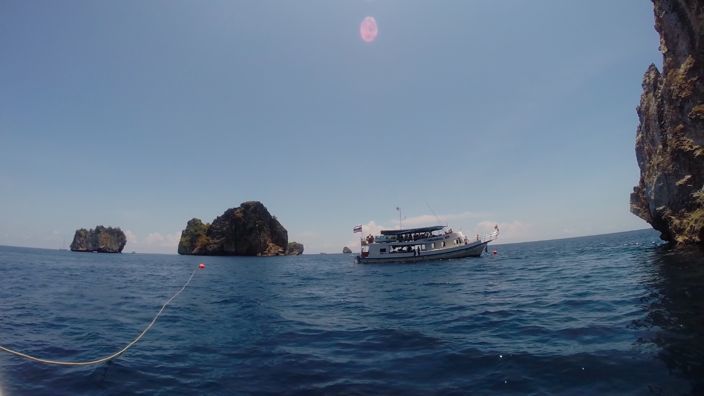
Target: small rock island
(101, 240)
(346, 250)
(248, 230)
(294, 249)
(670, 137)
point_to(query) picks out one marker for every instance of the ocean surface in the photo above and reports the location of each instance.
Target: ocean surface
(610, 314)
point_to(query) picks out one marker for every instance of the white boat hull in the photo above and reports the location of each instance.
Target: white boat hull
(470, 250)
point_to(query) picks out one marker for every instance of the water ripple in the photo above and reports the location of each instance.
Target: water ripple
(599, 315)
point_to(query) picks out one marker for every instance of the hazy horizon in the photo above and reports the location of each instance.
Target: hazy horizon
(496, 244)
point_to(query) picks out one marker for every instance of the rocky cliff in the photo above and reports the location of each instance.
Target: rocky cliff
(294, 249)
(248, 230)
(101, 239)
(670, 137)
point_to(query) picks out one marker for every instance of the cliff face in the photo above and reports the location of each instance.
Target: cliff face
(101, 239)
(248, 230)
(670, 137)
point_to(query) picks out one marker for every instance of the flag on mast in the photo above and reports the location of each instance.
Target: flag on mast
(357, 228)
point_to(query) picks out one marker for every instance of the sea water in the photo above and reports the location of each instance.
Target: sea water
(610, 314)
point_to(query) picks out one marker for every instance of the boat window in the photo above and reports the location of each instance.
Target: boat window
(383, 250)
(443, 243)
(432, 245)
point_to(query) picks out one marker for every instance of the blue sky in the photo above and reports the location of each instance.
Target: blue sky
(144, 114)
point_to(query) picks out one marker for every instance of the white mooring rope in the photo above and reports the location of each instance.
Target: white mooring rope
(107, 358)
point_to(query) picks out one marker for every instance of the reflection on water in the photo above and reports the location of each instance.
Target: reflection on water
(674, 322)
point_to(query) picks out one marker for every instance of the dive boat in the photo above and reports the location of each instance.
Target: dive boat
(421, 244)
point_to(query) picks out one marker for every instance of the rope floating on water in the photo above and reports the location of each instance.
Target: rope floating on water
(114, 355)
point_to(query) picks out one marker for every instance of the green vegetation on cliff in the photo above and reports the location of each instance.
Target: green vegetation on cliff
(248, 230)
(670, 138)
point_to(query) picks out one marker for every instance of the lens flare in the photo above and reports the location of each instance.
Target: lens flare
(368, 29)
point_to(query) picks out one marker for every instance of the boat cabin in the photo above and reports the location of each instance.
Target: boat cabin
(411, 242)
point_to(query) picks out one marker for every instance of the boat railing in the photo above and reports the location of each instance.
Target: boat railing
(491, 237)
(426, 238)
(488, 237)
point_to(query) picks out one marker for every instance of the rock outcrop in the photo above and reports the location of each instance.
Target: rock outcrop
(294, 249)
(101, 239)
(248, 230)
(670, 138)
(194, 238)
(346, 250)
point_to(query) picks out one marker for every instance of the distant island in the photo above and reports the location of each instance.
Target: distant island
(248, 230)
(294, 249)
(346, 250)
(101, 240)
(670, 138)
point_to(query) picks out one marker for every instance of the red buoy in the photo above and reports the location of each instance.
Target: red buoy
(201, 266)
(494, 252)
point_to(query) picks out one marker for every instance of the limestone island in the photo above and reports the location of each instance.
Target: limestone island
(248, 230)
(294, 249)
(346, 250)
(670, 137)
(101, 240)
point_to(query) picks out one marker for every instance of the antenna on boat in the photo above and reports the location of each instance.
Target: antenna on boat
(399, 217)
(434, 214)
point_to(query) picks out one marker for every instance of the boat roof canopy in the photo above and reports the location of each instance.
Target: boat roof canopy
(412, 230)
